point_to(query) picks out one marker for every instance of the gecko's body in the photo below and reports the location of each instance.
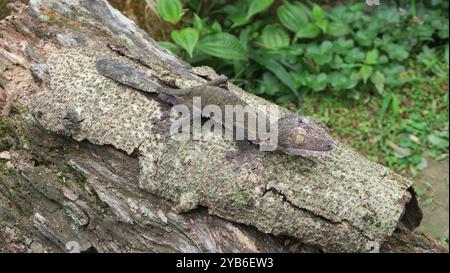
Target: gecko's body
(297, 135)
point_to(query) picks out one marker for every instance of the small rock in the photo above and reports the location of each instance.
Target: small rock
(36, 247)
(5, 155)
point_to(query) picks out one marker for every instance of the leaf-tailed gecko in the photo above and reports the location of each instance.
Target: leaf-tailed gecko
(297, 135)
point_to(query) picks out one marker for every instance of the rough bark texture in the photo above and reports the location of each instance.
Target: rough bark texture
(89, 162)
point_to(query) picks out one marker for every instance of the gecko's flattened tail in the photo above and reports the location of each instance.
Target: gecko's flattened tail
(126, 75)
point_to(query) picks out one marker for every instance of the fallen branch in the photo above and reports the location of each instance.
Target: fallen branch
(111, 181)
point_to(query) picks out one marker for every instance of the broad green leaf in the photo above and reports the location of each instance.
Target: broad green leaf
(308, 31)
(396, 52)
(198, 23)
(321, 55)
(318, 13)
(352, 81)
(372, 57)
(318, 82)
(170, 10)
(222, 45)
(337, 29)
(337, 62)
(257, 6)
(292, 16)
(244, 37)
(239, 20)
(296, 49)
(355, 55)
(277, 69)
(274, 37)
(378, 81)
(365, 72)
(338, 81)
(271, 85)
(323, 25)
(187, 38)
(364, 37)
(216, 27)
(438, 141)
(343, 46)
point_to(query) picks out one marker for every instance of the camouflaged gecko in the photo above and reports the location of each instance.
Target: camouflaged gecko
(297, 135)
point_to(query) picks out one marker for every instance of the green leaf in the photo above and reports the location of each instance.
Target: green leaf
(365, 72)
(339, 81)
(317, 82)
(337, 29)
(318, 13)
(355, 55)
(239, 20)
(187, 38)
(308, 31)
(170, 10)
(321, 55)
(396, 52)
(222, 45)
(378, 81)
(277, 69)
(170, 46)
(446, 54)
(364, 37)
(274, 37)
(271, 85)
(358, 7)
(343, 46)
(257, 6)
(198, 23)
(216, 27)
(323, 25)
(418, 191)
(395, 104)
(292, 16)
(372, 57)
(384, 107)
(438, 141)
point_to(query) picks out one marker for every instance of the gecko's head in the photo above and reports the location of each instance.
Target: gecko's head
(299, 135)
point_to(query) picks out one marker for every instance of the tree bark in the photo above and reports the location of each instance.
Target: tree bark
(87, 162)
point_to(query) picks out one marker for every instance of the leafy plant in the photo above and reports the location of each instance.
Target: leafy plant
(348, 50)
(170, 10)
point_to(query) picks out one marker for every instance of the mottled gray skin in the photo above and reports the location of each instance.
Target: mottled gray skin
(296, 135)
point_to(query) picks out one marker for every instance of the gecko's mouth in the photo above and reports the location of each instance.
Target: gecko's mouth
(324, 149)
(327, 146)
(304, 153)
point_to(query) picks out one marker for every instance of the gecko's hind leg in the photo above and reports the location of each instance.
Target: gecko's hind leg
(218, 81)
(168, 99)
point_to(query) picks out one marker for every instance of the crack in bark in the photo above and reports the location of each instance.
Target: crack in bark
(314, 214)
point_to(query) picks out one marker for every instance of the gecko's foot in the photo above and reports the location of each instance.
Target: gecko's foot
(218, 81)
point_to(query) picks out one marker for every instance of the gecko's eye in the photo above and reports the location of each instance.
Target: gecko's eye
(298, 136)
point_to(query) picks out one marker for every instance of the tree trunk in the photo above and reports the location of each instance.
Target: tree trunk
(87, 164)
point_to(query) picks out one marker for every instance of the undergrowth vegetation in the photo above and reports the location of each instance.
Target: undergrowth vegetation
(376, 75)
